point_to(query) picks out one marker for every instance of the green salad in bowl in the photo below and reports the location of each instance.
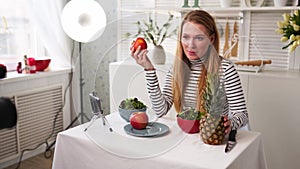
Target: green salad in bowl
(130, 105)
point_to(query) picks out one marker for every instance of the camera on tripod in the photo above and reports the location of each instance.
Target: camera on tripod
(97, 111)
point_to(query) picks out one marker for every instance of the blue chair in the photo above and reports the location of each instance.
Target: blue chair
(8, 113)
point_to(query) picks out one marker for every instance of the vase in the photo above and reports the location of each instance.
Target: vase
(296, 3)
(280, 3)
(225, 3)
(249, 3)
(243, 3)
(157, 55)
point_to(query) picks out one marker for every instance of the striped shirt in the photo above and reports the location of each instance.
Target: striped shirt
(234, 106)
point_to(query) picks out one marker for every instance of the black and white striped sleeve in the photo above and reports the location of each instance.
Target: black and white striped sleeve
(235, 96)
(161, 100)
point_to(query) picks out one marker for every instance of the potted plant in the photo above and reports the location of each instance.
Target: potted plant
(155, 34)
(289, 28)
(189, 120)
(129, 106)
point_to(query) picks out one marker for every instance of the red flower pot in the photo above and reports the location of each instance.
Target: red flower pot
(188, 126)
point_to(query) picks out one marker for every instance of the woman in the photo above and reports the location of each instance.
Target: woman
(196, 54)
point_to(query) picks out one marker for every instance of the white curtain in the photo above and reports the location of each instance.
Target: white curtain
(45, 15)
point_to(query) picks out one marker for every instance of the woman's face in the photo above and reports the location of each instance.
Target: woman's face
(195, 40)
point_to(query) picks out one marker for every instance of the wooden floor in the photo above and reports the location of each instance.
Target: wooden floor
(36, 162)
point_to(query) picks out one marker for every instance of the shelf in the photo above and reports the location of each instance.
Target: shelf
(212, 9)
(16, 77)
(240, 9)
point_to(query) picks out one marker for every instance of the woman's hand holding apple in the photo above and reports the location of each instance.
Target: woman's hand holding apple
(139, 52)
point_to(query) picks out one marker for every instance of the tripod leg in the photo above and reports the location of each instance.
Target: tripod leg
(92, 121)
(104, 119)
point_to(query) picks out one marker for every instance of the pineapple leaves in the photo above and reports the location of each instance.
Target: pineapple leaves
(214, 96)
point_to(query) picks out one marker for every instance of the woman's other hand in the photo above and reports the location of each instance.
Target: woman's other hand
(227, 124)
(141, 58)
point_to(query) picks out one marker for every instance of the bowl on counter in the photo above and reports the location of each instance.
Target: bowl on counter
(126, 113)
(42, 64)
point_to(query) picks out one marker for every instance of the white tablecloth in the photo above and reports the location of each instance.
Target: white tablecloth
(98, 148)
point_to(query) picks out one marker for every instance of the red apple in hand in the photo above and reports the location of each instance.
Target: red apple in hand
(139, 120)
(139, 42)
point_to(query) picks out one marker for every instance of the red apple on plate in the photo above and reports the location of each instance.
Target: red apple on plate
(139, 42)
(139, 120)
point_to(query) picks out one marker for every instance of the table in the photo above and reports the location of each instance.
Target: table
(98, 148)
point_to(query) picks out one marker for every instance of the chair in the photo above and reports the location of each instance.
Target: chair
(8, 113)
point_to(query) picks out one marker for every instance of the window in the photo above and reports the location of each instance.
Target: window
(17, 35)
(267, 40)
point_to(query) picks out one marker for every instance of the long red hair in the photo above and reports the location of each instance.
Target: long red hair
(182, 63)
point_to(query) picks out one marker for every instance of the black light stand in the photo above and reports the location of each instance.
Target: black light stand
(81, 84)
(81, 114)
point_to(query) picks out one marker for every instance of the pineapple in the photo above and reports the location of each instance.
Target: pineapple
(212, 130)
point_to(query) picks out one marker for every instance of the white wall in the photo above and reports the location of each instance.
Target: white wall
(96, 57)
(273, 105)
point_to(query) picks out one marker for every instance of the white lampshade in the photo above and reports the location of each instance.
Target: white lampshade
(83, 20)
